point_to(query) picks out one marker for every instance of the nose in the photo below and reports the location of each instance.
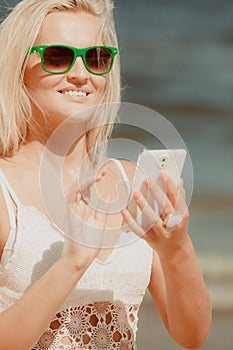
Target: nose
(78, 72)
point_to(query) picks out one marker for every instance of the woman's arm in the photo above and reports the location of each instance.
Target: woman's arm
(23, 323)
(176, 285)
(179, 292)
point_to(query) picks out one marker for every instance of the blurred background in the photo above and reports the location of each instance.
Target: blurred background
(177, 58)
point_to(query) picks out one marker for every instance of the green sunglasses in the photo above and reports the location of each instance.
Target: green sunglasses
(59, 59)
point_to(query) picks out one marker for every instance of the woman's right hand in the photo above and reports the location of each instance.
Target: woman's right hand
(85, 225)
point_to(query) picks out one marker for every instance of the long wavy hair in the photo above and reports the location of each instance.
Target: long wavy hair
(18, 32)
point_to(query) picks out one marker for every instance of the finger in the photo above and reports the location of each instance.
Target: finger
(85, 184)
(101, 173)
(182, 189)
(150, 216)
(79, 208)
(96, 178)
(102, 210)
(153, 225)
(95, 223)
(176, 195)
(83, 188)
(171, 189)
(100, 218)
(164, 204)
(181, 205)
(71, 197)
(132, 223)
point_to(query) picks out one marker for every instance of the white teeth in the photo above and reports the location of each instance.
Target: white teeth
(75, 93)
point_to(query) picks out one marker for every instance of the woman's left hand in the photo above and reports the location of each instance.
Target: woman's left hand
(165, 231)
(176, 284)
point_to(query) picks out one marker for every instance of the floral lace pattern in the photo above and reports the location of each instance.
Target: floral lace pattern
(94, 326)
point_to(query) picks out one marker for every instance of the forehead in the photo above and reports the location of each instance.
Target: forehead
(78, 29)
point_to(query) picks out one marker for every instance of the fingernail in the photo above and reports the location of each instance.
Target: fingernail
(136, 195)
(164, 175)
(147, 182)
(99, 177)
(124, 212)
(103, 172)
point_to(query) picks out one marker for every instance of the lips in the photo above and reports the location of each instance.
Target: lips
(74, 92)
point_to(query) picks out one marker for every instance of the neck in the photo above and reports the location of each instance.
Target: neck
(68, 145)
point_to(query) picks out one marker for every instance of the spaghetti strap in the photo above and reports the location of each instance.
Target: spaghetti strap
(124, 175)
(13, 195)
(9, 196)
(9, 205)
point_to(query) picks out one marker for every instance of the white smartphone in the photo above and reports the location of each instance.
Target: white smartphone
(150, 164)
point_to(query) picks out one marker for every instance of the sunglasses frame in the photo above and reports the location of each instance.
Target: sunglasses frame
(77, 52)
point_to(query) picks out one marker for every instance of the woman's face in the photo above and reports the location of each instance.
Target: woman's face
(52, 92)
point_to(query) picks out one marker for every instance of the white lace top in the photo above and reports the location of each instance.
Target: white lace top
(101, 311)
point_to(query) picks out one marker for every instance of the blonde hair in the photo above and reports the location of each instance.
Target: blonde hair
(18, 32)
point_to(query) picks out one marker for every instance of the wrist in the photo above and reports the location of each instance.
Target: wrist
(71, 267)
(177, 250)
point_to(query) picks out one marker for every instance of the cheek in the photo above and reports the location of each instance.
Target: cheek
(39, 87)
(27, 80)
(32, 74)
(100, 83)
(32, 82)
(35, 79)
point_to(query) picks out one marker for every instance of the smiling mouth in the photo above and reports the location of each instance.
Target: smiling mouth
(74, 93)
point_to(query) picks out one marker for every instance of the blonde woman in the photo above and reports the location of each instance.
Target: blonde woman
(60, 58)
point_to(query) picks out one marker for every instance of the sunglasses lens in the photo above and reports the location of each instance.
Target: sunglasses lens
(99, 60)
(58, 59)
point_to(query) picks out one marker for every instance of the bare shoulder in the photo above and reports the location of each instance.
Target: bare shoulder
(4, 216)
(4, 223)
(8, 167)
(14, 175)
(114, 175)
(129, 167)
